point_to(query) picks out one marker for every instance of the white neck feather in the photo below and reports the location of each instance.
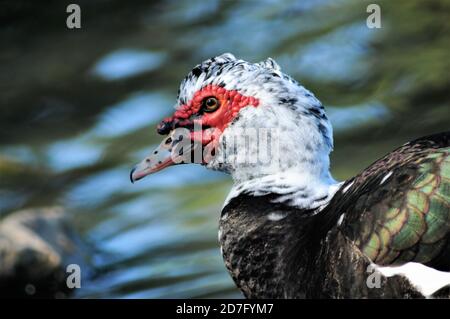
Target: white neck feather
(295, 189)
(298, 169)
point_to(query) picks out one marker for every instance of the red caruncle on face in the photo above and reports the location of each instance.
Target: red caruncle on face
(230, 102)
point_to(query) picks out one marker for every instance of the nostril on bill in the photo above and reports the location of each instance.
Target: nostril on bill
(169, 140)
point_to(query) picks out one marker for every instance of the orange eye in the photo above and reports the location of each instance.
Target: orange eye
(210, 104)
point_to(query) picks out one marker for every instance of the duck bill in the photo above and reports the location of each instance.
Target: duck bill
(143, 169)
(159, 159)
(176, 148)
(151, 164)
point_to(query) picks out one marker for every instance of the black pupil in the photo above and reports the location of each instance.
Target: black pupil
(211, 102)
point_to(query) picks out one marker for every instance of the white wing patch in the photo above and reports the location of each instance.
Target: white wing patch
(425, 279)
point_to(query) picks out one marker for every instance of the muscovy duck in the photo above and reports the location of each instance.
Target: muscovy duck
(287, 228)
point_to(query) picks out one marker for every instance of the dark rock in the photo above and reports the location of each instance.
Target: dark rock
(36, 245)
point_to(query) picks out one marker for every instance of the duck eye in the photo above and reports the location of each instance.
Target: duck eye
(210, 104)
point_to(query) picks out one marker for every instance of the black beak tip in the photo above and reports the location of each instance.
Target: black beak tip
(131, 175)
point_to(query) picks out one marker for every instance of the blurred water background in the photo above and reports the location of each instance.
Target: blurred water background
(79, 107)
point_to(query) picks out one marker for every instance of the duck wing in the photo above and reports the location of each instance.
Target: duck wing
(398, 209)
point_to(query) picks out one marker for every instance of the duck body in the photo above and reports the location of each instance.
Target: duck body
(274, 250)
(266, 259)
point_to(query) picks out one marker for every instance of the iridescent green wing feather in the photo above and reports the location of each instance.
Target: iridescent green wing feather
(398, 210)
(415, 225)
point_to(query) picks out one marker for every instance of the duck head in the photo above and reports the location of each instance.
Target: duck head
(229, 112)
